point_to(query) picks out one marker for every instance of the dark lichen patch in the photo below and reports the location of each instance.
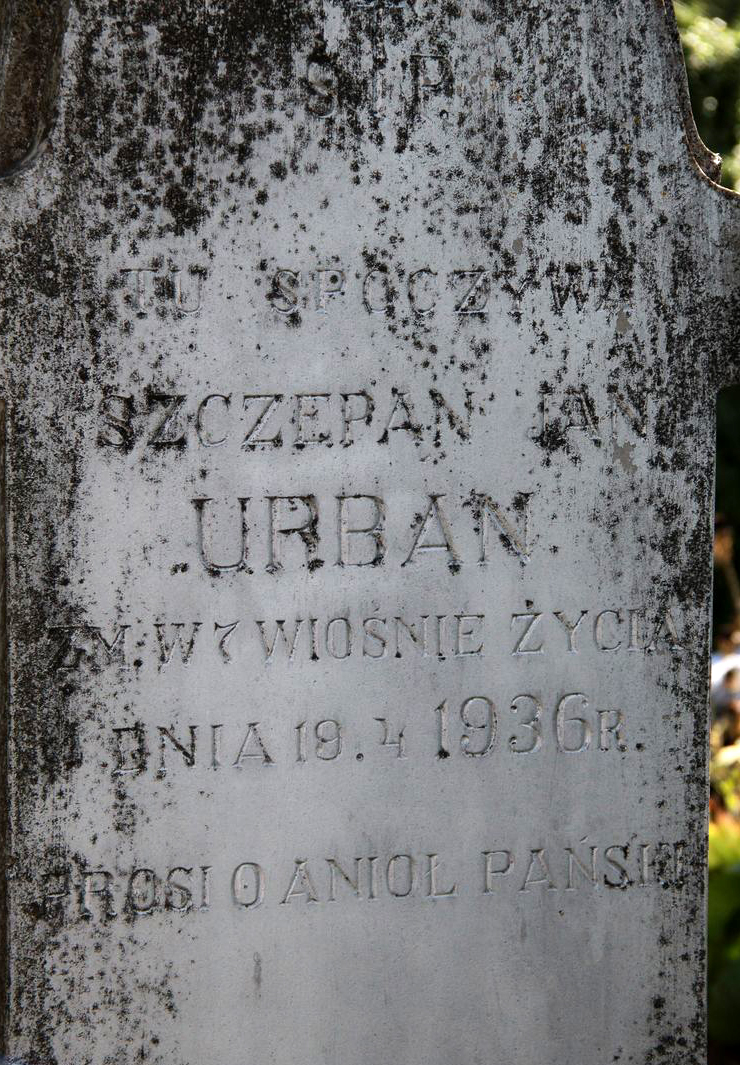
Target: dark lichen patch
(32, 35)
(205, 128)
(212, 66)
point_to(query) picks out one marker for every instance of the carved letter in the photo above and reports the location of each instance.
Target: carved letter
(515, 541)
(115, 648)
(166, 650)
(215, 568)
(142, 899)
(380, 638)
(141, 288)
(434, 891)
(239, 886)
(117, 428)
(431, 74)
(477, 291)
(531, 620)
(391, 873)
(366, 415)
(454, 421)
(188, 756)
(416, 306)
(283, 295)
(586, 871)
(409, 423)
(203, 436)
(611, 724)
(251, 441)
(260, 752)
(375, 308)
(618, 864)
(332, 642)
(289, 641)
(571, 628)
(336, 869)
(301, 884)
(538, 859)
(634, 412)
(492, 860)
(185, 901)
(307, 411)
(434, 513)
(168, 432)
(666, 630)
(373, 530)
(322, 84)
(308, 532)
(328, 283)
(131, 758)
(599, 630)
(104, 891)
(177, 284)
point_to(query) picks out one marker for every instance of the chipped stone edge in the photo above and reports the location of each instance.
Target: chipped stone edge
(709, 162)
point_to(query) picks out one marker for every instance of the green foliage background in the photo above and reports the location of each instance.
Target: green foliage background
(710, 31)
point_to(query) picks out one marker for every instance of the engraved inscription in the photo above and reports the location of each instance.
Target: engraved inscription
(434, 636)
(284, 531)
(161, 290)
(474, 727)
(260, 421)
(423, 290)
(548, 869)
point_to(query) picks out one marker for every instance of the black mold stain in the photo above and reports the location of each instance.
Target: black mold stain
(161, 151)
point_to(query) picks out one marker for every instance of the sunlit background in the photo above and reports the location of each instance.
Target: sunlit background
(710, 30)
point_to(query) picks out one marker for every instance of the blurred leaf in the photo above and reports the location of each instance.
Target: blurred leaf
(724, 1005)
(723, 920)
(710, 32)
(724, 846)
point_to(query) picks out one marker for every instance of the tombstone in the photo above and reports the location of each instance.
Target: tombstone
(359, 368)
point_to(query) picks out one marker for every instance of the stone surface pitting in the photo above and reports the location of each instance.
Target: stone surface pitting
(359, 364)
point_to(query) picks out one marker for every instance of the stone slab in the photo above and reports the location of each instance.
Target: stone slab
(359, 365)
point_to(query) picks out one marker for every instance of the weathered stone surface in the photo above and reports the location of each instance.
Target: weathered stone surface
(359, 363)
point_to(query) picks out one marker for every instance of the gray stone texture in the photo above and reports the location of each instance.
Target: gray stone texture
(359, 363)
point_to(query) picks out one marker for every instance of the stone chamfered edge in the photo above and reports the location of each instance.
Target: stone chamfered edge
(725, 338)
(31, 48)
(31, 36)
(707, 160)
(4, 803)
(31, 39)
